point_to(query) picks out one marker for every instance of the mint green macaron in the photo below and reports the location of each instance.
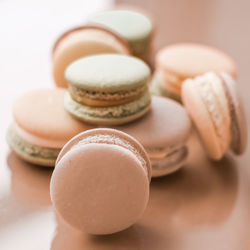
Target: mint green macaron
(107, 89)
(135, 27)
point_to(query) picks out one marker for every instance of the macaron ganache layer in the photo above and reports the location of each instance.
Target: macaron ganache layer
(131, 110)
(133, 26)
(105, 88)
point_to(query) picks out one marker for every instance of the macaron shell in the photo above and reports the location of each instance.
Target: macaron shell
(166, 124)
(81, 42)
(139, 34)
(110, 19)
(201, 118)
(109, 191)
(239, 132)
(190, 60)
(39, 112)
(109, 72)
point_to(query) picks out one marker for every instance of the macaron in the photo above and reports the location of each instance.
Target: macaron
(163, 132)
(214, 105)
(101, 181)
(41, 126)
(108, 89)
(133, 26)
(84, 41)
(178, 62)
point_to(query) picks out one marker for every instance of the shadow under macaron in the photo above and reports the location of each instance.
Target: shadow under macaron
(202, 193)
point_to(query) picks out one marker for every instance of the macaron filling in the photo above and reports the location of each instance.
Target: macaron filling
(30, 151)
(217, 106)
(169, 161)
(160, 153)
(114, 112)
(114, 140)
(103, 98)
(169, 155)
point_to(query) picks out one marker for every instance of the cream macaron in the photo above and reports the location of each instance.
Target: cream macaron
(84, 41)
(101, 181)
(214, 105)
(178, 62)
(41, 126)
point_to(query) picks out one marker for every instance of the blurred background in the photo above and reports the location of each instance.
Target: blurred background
(29, 28)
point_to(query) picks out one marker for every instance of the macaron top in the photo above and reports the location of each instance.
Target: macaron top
(129, 24)
(92, 33)
(108, 73)
(190, 60)
(40, 113)
(166, 124)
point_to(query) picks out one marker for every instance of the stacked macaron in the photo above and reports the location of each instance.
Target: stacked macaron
(106, 32)
(84, 41)
(108, 89)
(41, 126)
(104, 173)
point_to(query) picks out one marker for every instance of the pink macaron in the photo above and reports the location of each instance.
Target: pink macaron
(163, 132)
(101, 181)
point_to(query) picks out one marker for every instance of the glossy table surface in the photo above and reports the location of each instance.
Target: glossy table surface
(205, 205)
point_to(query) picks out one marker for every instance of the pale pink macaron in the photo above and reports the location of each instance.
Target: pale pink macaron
(84, 41)
(214, 105)
(163, 132)
(101, 181)
(178, 62)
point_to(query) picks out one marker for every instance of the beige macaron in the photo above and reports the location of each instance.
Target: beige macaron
(178, 62)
